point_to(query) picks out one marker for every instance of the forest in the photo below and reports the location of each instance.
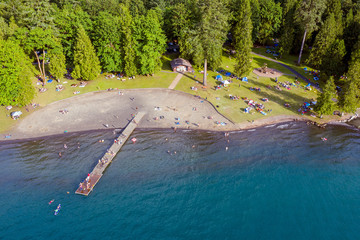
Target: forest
(83, 38)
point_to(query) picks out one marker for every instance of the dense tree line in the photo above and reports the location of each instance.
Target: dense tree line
(129, 36)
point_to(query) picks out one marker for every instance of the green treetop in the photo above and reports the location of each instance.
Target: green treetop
(270, 15)
(242, 37)
(128, 44)
(209, 34)
(149, 42)
(86, 63)
(323, 41)
(106, 39)
(308, 15)
(351, 92)
(15, 71)
(68, 20)
(325, 104)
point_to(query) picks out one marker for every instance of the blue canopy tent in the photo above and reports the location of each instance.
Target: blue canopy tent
(244, 79)
(228, 74)
(218, 77)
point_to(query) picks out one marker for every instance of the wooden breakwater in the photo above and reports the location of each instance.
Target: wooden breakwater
(88, 184)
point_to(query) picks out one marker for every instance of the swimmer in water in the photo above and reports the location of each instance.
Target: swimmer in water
(226, 148)
(65, 146)
(60, 154)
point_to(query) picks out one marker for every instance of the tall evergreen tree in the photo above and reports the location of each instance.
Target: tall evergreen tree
(349, 98)
(334, 7)
(255, 18)
(323, 41)
(57, 66)
(86, 63)
(209, 34)
(309, 16)
(325, 104)
(288, 30)
(149, 42)
(15, 71)
(68, 20)
(37, 13)
(333, 62)
(351, 32)
(351, 92)
(128, 43)
(107, 41)
(270, 19)
(242, 37)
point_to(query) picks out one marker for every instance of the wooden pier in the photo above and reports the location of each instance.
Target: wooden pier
(88, 184)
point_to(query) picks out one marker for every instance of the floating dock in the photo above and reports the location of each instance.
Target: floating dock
(88, 184)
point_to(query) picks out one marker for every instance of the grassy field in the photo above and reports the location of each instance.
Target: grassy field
(233, 109)
(291, 61)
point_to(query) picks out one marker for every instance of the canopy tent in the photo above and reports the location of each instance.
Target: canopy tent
(15, 115)
(228, 74)
(244, 79)
(218, 77)
(225, 82)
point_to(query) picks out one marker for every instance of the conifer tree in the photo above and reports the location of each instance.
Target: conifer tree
(323, 41)
(57, 66)
(351, 32)
(209, 34)
(107, 41)
(149, 42)
(242, 37)
(350, 97)
(334, 7)
(333, 62)
(308, 15)
(127, 42)
(288, 30)
(86, 63)
(325, 104)
(15, 71)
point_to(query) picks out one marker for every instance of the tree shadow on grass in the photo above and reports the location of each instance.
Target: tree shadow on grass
(288, 97)
(193, 78)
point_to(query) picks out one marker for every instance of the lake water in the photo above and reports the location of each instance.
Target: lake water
(276, 182)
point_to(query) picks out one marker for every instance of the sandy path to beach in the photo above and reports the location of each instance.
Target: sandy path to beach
(109, 109)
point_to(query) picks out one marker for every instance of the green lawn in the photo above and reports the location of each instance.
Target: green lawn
(233, 109)
(291, 61)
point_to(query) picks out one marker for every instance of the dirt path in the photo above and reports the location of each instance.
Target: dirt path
(176, 81)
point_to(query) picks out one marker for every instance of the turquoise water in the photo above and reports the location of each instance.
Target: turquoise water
(279, 182)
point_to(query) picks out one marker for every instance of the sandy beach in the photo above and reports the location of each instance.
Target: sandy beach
(164, 108)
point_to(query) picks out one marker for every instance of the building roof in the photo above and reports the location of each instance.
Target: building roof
(180, 62)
